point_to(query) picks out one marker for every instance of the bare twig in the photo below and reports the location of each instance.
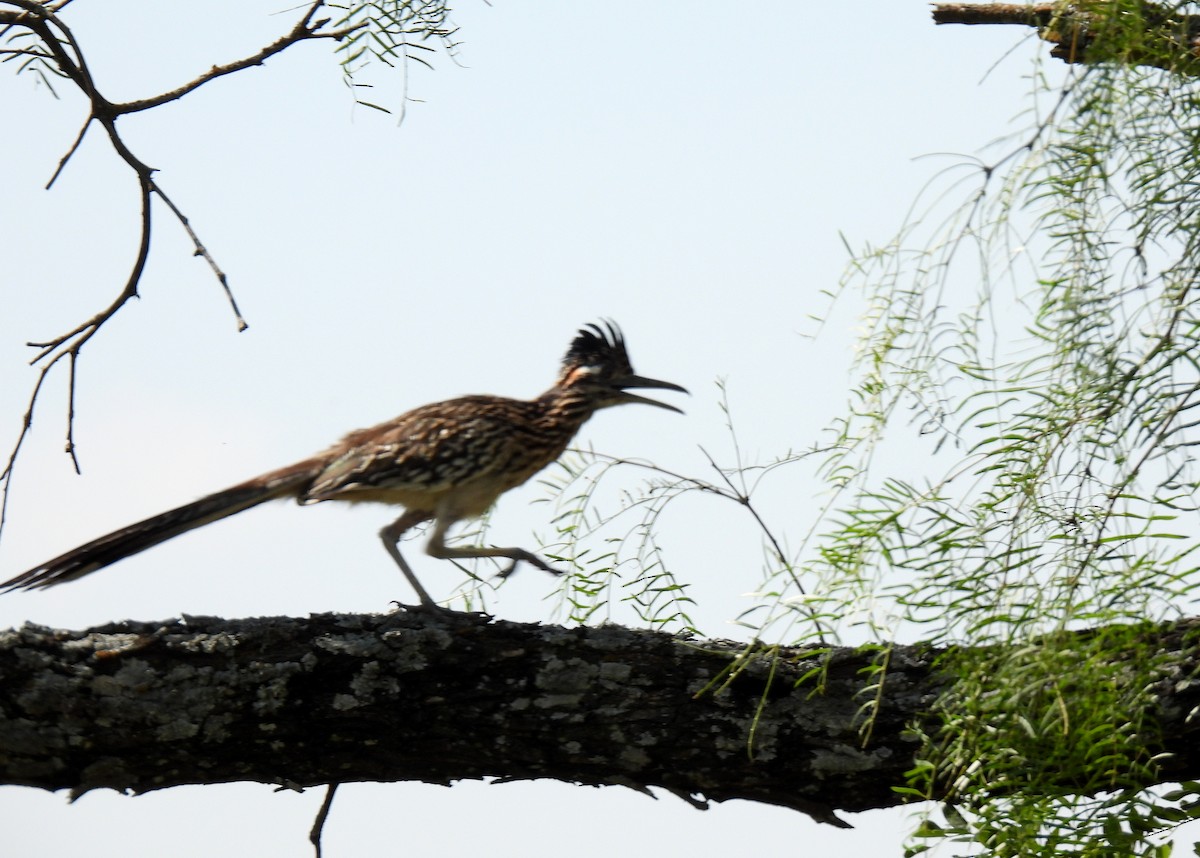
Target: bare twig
(62, 162)
(68, 346)
(318, 827)
(74, 358)
(6, 476)
(59, 47)
(743, 497)
(730, 491)
(305, 29)
(202, 251)
(53, 49)
(74, 339)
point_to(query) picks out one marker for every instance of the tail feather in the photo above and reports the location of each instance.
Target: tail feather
(145, 534)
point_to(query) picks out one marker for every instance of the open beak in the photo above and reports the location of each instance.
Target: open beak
(638, 381)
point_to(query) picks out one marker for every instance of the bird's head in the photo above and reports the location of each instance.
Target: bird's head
(597, 365)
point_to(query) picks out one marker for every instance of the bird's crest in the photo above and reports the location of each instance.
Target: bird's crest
(600, 349)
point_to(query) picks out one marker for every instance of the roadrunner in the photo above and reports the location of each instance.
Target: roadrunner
(442, 462)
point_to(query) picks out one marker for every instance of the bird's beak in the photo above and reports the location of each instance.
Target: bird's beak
(639, 381)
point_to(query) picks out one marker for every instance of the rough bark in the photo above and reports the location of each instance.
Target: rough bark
(441, 697)
(1165, 38)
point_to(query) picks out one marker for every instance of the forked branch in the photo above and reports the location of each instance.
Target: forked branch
(56, 47)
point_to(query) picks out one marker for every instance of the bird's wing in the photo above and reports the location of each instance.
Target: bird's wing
(430, 449)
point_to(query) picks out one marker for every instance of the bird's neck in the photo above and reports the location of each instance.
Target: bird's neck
(564, 409)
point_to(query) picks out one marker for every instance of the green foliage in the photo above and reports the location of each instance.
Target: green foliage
(1015, 463)
(1044, 749)
(628, 544)
(1127, 33)
(629, 532)
(30, 56)
(392, 32)
(1042, 335)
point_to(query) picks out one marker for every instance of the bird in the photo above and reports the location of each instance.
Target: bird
(443, 462)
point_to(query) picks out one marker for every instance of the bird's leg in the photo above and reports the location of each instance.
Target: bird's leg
(437, 547)
(391, 539)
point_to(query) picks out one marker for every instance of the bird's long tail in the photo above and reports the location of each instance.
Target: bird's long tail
(137, 537)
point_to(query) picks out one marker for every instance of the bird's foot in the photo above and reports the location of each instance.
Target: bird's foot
(533, 560)
(433, 609)
(422, 607)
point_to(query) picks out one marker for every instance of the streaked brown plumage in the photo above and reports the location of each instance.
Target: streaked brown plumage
(442, 462)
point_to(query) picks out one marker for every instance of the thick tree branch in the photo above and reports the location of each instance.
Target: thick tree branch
(1088, 31)
(1027, 14)
(438, 698)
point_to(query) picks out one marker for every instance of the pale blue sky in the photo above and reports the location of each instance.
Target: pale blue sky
(684, 168)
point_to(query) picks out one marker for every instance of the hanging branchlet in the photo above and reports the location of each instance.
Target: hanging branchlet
(1036, 321)
(35, 37)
